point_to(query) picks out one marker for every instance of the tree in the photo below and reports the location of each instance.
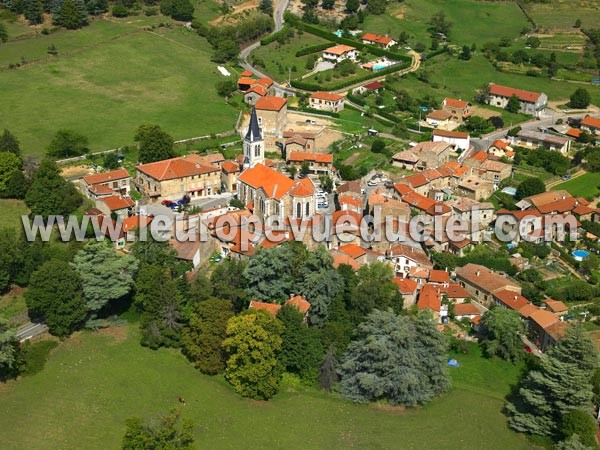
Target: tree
(33, 11)
(328, 372)
(181, 10)
(105, 275)
(9, 143)
(501, 334)
(561, 384)
(226, 88)
(327, 4)
(154, 144)
(580, 99)
(497, 121)
(3, 33)
(514, 104)
(269, 274)
(50, 194)
(227, 50)
(70, 14)
(375, 289)
(465, 54)
(266, 6)
(439, 25)
(378, 146)
(304, 168)
(579, 423)
(111, 161)
(160, 303)
(16, 186)
(119, 10)
(578, 23)
(68, 143)
(389, 360)
(54, 296)
(376, 7)
(352, 6)
(9, 349)
(166, 431)
(203, 337)
(530, 186)
(228, 282)
(253, 343)
(9, 164)
(573, 443)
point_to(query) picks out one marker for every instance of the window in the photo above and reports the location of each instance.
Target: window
(299, 210)
(308, 208)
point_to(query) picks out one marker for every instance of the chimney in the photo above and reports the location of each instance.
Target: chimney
(292, 296)
(197, 165)
(477, 273)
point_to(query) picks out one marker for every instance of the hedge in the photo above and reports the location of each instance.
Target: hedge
(439, 51)
(273, 37)
(356, 99)
(313, 49)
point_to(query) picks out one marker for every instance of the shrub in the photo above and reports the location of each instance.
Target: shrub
(34, 355)
(119, 11)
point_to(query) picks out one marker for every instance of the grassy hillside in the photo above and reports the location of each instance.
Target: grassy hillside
(109, 78)
(94, 381)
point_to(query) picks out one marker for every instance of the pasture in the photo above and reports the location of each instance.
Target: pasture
(562, 14)
(587, 185)
(94, 381)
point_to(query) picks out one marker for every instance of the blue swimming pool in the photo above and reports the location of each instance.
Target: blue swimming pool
(377, 67)
(580, 255)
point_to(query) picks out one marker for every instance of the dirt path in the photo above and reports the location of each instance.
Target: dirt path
(557, 182)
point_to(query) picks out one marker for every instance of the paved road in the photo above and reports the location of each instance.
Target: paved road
(30, 330)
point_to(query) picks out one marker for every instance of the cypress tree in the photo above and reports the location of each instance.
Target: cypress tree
(70, 14)
(33, 10)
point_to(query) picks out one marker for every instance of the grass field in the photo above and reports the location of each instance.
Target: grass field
(583, 186)
(564, 13)
(94, 381)
(108, 79)
(472, 21)
(11, 213)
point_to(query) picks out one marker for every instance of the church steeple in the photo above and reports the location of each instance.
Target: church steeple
(254, 146)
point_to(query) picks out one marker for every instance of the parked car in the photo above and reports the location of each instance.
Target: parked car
(323, 205)
(566, 177)
(372, 183)
(310, 121)
(168, 203)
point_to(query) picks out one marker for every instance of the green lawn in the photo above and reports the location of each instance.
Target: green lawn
(94, 381)
(109, 78)
(563, 13)
(12, 210)
(472, 21)
(583, 186)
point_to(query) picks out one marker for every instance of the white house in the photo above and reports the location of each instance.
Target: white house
(326, 101)
(339, 53)
(459, 139)
(530, 102)
(376, 39)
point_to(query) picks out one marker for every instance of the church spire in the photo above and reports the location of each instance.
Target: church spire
(253, 134)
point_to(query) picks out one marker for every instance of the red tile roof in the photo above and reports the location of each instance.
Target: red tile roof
(504, 91)
(270, 103)
(246, 81)
(181, 167)
(479, 156)
(339, 49)
(373, 86)
(246, 74)
(591, 122)
(574, 132)
(275, 184)
(330, 96)
(556, 306)
(342, 258)
(352, 250)
(271, 308)
(415, 254)
(511, 299)
(265, 82)
(116, 203)
(450, 134)
(485, 278)
(439, 276)
(379, 39)
(106, 177)
(299, 303)
(455, 290)
(230, 167)
(405, 285)
(326, 158)
(349, 200)
(499, 143)
(453, 103)
(544, 318)
(135, 222)
(466, 309)
(257, 88)
(429, 299)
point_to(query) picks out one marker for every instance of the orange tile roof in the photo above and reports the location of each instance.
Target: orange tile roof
(480, 156)
(326, 158)
(257, 88)
(504, 91)
(347, 218)
(544, 318)
(181, 167)
(244, 81)
(339, 49)
(499, 143)
(270, 103)
(274, 183)
(106, 177)
(230, 167)
(405, 285)
(116, 203)
(485, 278)
(450, 134)
(265, 82)
(352, 250)
(527, 310)
(349, 200)
(592, 122)
(271, 308)
(342, 258)
(453, 103)
(134, 222)
(330, 96)
(246, 74)
(455, 290)
(416, 180)
(511, 299)
(372, 37)
(101, 189)
(439, 114)
(466, 309)
(574, 132)
(556, 306)
(439, 276)
(302, 189)
(407, 251)
(299, 303)
(557, 330)
(429, 299)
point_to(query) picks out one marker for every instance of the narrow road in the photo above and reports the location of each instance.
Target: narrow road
(30, 330)
(559, 181)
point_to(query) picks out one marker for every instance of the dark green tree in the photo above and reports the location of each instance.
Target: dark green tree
(328, 375)
(50, 193)
(375, 290)
(70, 14)
(327, 4)
(33, 11)
(376, 7)
(54, 296)
(9, 143)
(465, 54)
(266, 6)
(580, 423)
(580, 99)
(439, 24)
(9, 164)
(352, 6)
(378, 146)
(228, 282)
(530, 186)
(154, 144)
(501, 331)
(16, 186)
(514, 104)
(226, 88)
(202, 338)
(269, 274)
(68, 143)
(166, 431)
(9, 350)
(3, 33)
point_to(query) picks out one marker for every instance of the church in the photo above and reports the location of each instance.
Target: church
(267, 192)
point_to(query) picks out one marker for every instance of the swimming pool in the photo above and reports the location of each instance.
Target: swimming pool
(380, 66)
(580, 255)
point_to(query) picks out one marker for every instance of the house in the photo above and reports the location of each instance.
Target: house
(501, 149)
(349, 202)
(355, 252)
(318, 163)
(476, 188)
(459, 139)
(482, 283)
(385, 42)
(270, 193)
(253, 93)
(545, 328)
(374, 86)
(326, 101)
(272, 114)
(429, 299)
(114, 204)
(556, 306)
(297, 301)
(408, 288)
(439, 278)
(591, 125)
(106, 183)
(494, 171)
(187, 250)
(530, 138)
(510, 300)
(230, 170)
(459, 110)
(173, 178)
(471, 210)
(338, 53)
(424, 155)
(404, 257)
(456, 293)
(466, 311)
(343, 259)
(299, 141)
(438, 118)
(532, 103)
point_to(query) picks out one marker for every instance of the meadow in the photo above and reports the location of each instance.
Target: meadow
(587, 185)
(108, 79)
(563, 13)
(94, 381)
(11, 211)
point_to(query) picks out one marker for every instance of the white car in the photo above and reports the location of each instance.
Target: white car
(372, 183)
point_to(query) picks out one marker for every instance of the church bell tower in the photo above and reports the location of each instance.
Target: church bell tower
(254, 145)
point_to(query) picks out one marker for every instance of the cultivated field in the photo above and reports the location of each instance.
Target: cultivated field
(108, 79)
(94, 381)
(564, 13)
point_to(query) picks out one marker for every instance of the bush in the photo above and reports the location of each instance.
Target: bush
(283, 33)
(312, 49)
(33, 356)
(119, 10)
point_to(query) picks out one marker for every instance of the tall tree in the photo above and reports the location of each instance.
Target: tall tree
(266, 6)
(253, 343)
(439, 24)
(352, 6)
(167, 431)
(501, 334)
(33, 11)
(203, 337)
(70, 14)
(580, 423)
(9, 349)
(514, 104)
(105, 275)
(560, 384)
(50, 193)
(9, 164)
(580, 99)
(9, 257)
(530, 186)
(9, 143)
(54, 296)
(154, 143)
(328, 372)
(269, 274)
(228, 282)
(375, 289)
(68, 143)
